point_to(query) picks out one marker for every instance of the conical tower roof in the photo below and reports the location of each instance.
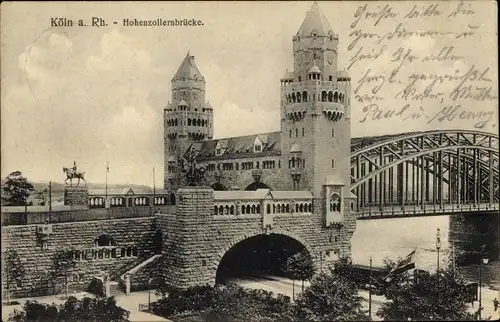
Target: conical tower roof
(188, 69)
(315, 21)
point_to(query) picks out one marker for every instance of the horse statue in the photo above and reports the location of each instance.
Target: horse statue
(73, 173)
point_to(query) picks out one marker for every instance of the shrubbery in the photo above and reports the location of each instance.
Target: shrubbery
(87, 309)
(96, 287)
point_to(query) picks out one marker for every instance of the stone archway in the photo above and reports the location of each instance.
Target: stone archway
(257, 185)
(218, 187)
(290, 241)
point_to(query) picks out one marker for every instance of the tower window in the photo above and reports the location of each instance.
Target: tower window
(333, 163)
(330, 78)
(296, 132)
(290, 133)
(302, 131)
(333, 133)
(299, 78)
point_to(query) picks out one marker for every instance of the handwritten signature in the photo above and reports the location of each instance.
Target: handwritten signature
(374, 112)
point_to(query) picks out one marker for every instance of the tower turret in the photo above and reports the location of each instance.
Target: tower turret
(187, 118)
(315, 122)
(315, 43)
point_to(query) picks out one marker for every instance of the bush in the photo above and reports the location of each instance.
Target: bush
(96, 287)
(223, 303)
(87, 309)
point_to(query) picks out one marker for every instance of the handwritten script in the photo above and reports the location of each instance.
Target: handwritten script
(423, 62)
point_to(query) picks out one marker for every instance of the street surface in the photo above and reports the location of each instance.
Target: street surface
(271, 283)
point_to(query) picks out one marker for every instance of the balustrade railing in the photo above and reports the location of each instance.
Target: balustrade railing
(423, 209)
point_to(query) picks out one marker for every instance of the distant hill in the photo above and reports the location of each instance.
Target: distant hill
(58, 187)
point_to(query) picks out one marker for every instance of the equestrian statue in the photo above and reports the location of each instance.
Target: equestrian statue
(194, 173)
(73, 173)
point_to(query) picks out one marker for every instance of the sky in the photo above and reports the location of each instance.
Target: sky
(93, 95)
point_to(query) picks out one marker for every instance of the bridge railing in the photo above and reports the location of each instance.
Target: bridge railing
(423, 210)
(30, 218)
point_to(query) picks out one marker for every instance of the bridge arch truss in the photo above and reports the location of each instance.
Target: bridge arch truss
(447, 167)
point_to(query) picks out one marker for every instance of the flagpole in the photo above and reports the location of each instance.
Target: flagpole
(370, 291)
(154, 187)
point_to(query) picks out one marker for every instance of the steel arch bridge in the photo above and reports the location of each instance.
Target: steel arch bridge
(425, 173)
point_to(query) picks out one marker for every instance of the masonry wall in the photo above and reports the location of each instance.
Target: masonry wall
(38, 262)
(201, 239)
(276, 179)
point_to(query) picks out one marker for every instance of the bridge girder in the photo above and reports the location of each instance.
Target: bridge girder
(440, 151)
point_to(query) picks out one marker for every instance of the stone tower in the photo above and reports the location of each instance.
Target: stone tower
(315, 118)
(187, 118)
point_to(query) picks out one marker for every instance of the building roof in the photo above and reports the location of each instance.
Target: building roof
(188, 69)
(315, 69)
(343, 74)
(295, 148)
(241, 147)
(126, 191)
(260, 194)
(315, 21)
(241, 194)
(291, 194)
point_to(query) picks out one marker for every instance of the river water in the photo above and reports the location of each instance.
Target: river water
(397, 237)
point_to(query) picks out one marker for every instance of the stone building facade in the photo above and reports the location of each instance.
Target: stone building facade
(315, 135)
(294, 183)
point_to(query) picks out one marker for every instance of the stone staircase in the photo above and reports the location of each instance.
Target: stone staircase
(124, 278)
(115, 289)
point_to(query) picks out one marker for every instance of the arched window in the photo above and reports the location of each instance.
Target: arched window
(274, 209)
(258, 209)
(330, 96)
(293, 97)
(189, 122)
(296, 207)
(323, 96)
(243, 210)
(304, 96)
(253, 209)
(215, 210)
(336, 97)
(335, 203)
(172, 199)
(278, 209)
(268, 209)
(226, 212)
(248, 209)
(221, 210)
(287, 209)
(301, 208)
(105, 240)
(309, 208)
(231, 210)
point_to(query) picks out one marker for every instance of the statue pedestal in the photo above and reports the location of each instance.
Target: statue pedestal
(76, 196)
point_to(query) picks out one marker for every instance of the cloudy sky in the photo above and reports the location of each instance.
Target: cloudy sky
(97, 94)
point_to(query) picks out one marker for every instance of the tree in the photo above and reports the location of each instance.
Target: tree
(440, 296)
(87, 309)
(16, 189)
(299, 266)
(63, 262)
(330, 297)
(13, 271)
(235, 303)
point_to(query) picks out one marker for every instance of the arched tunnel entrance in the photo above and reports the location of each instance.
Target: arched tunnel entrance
(261, 255)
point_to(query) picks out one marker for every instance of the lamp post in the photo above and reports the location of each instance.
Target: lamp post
(438, 247)
(482, 261)
(149, 294)
(370, 291)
